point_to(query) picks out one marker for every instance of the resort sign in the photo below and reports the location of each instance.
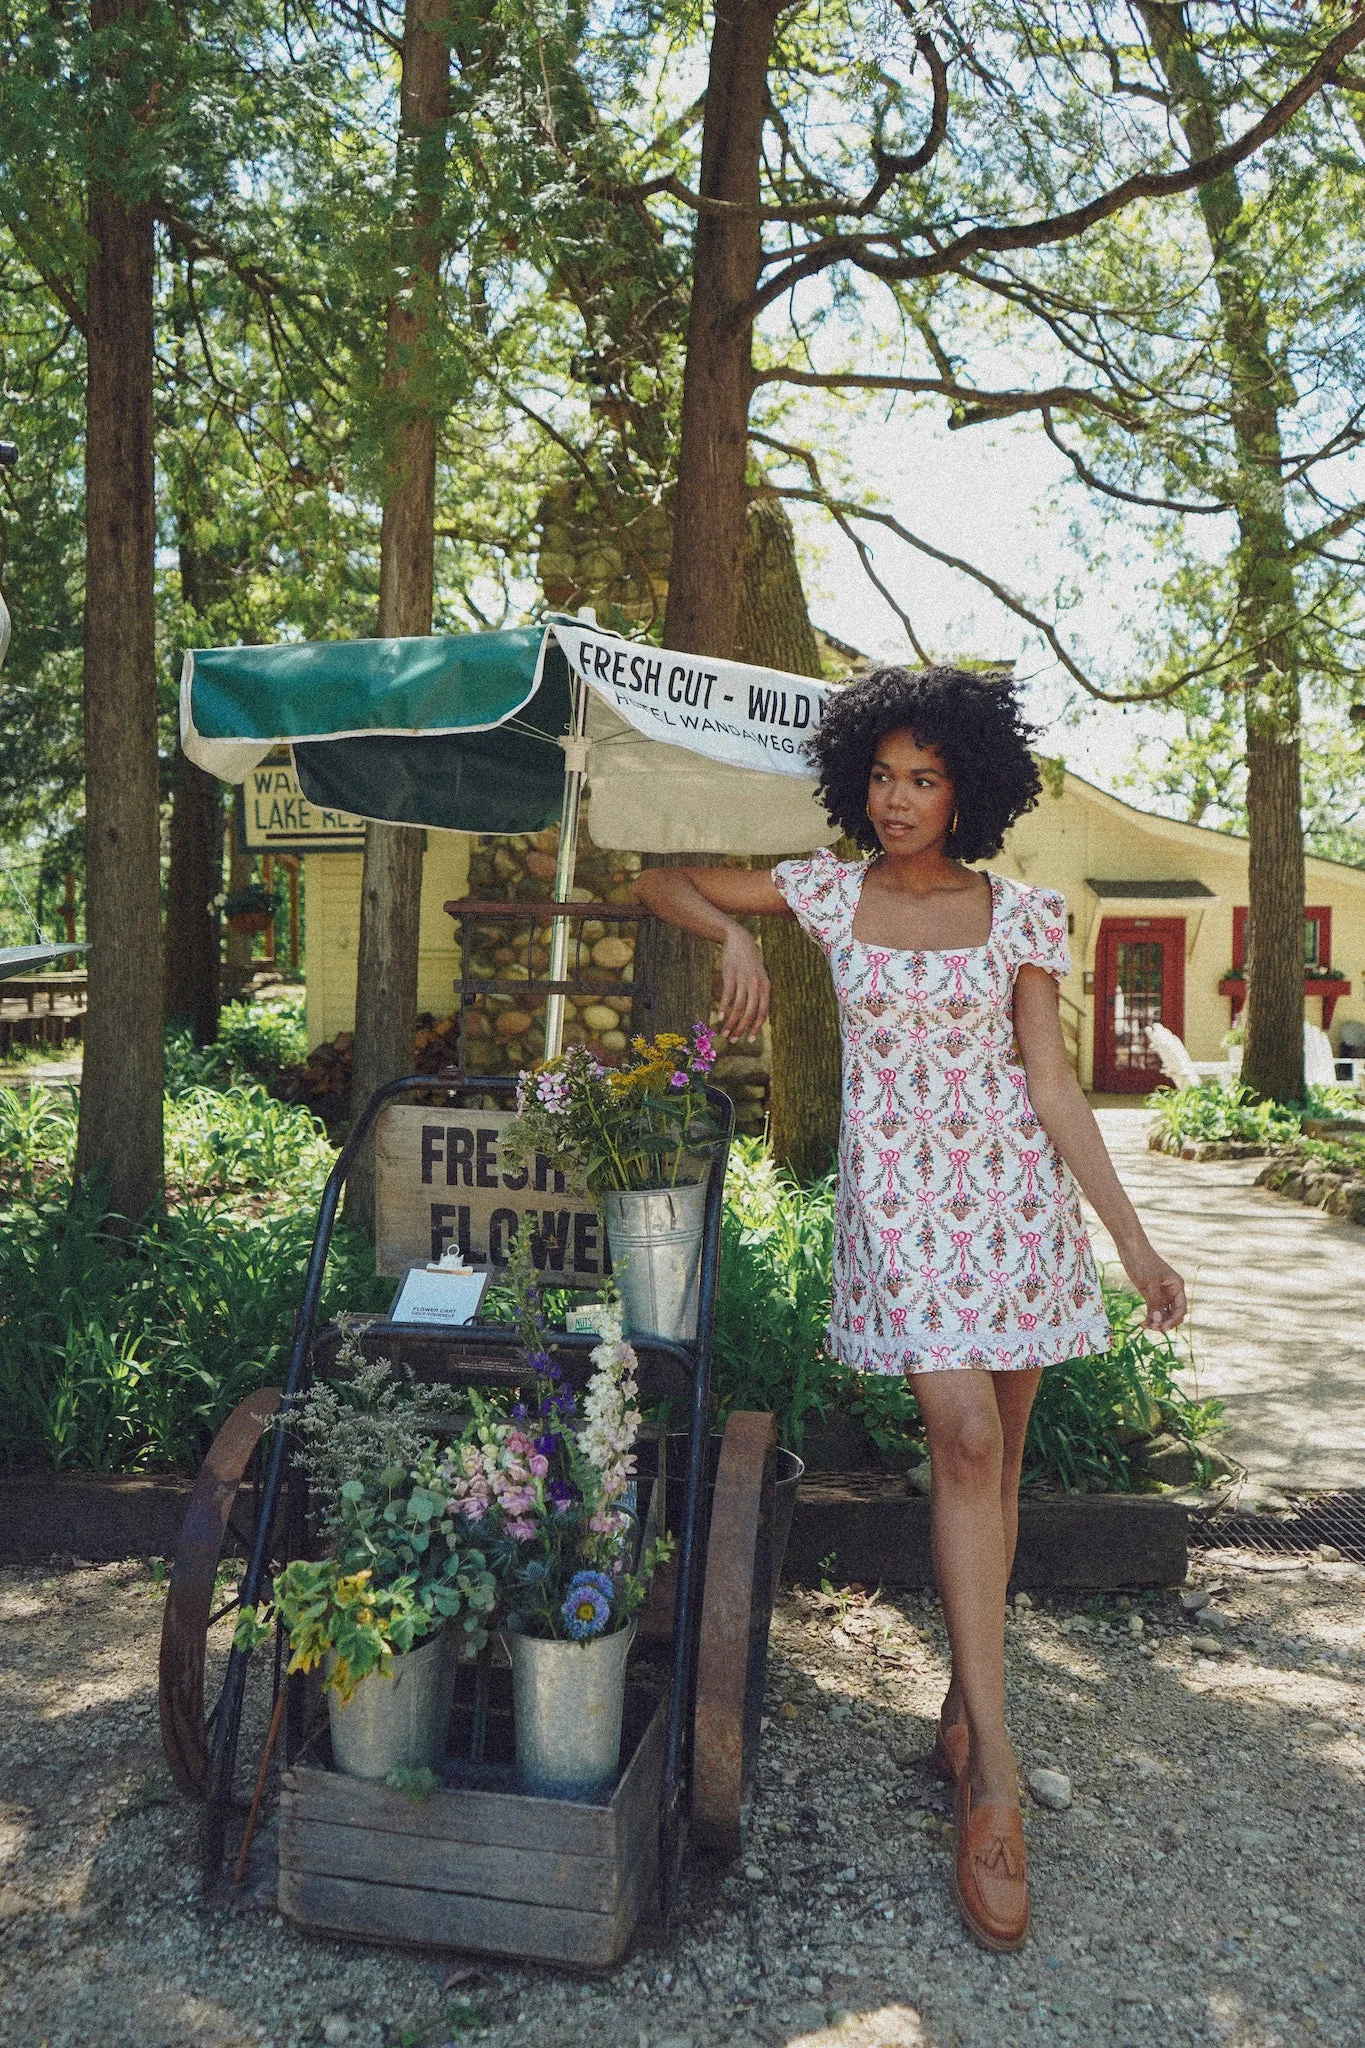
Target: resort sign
(442, 1184)
(274, 816)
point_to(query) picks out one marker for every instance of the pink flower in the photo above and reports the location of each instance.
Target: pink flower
(521, 1531)
(539, 1466)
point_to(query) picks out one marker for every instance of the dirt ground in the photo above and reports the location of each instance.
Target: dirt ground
(1206, 1884)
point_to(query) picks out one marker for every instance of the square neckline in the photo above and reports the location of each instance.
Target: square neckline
(929, 952)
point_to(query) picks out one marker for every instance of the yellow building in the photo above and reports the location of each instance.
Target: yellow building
(1157, 911)
(1158, 921)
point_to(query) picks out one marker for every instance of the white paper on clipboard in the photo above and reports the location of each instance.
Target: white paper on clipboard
(426, 1294)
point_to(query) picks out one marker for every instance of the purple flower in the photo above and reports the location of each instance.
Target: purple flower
(563, 1495)
(555, 1375)
(678, 1081)
(539, 1362)
(520, 1412)
(586, 1609)
(546, 1445)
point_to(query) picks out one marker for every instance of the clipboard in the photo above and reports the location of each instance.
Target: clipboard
(440, 1295)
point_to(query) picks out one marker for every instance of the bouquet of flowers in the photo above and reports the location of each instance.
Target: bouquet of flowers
(635, 1126)
(401, 1563)
(543, 1491)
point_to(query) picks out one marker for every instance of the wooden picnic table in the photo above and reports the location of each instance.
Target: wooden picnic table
(72, 983)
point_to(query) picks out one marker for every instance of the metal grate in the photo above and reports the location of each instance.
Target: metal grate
(1335, 1518)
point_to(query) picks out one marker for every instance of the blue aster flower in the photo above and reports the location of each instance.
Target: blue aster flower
(586, 1610)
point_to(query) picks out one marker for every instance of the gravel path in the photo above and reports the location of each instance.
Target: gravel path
(1205, 1885)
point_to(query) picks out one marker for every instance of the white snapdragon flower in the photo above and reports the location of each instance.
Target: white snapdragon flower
(611, 1415)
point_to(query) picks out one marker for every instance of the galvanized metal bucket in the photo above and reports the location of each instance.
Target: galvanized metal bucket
(396, 1723)
(655, 1239)
(567, 1700)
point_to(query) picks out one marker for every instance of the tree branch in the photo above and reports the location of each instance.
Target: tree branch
(1097, 483)
(993, 404)
(1037, 234)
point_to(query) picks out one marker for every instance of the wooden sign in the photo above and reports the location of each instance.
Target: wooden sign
(274, 816)
(440, 1181)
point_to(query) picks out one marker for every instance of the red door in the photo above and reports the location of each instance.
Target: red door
(1139, 980)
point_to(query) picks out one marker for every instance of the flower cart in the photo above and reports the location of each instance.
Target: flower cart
(480, 1863)
(498, 732)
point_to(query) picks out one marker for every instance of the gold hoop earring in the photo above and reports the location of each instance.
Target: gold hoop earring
(952, 829)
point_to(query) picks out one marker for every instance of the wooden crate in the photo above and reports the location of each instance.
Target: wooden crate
(479, 1865)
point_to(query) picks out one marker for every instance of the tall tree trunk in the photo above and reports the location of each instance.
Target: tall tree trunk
(1268, 621)
(193, 942)
(193, 927)
(391, 892)
(709, 511)
(120, 1131)
(804, 1095)
(709, 507)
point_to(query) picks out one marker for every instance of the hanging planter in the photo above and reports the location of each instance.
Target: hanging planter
(251, 909)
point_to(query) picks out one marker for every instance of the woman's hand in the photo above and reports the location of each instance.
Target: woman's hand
(743, 985)
(1161, 1287)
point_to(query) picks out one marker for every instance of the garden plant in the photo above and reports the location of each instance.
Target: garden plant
(124, 1349)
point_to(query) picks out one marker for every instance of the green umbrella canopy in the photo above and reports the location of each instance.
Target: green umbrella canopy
(457, 733)
(470, 733)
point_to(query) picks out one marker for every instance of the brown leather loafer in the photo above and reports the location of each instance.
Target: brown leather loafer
(990, 1872)
(948, 1757)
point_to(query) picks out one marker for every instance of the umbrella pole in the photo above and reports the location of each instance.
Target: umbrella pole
(575, 747)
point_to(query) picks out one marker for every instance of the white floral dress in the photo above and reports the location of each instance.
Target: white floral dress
(958, 1239)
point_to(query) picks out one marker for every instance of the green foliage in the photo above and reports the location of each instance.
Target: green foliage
(1216, 1112)
(326, 1610)
(772, 1305)
(126, 1353)
(254, 1041)
(1090, 1413)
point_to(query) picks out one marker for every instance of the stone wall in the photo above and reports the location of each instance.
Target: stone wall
(504, 1033)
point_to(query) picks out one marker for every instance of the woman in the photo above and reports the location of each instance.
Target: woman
(960, 1256)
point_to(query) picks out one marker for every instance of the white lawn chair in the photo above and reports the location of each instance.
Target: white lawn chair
(1177, 1064)
(1319, 1061)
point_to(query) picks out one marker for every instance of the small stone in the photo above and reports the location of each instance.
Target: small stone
(1207, 1646)
(754, 1872)
(804, 2019)
(1051, 1789)
(787, 1711)
(673, 2041)
(1136, 1624)
(1329, 1554)
(1322, 1728)
(1022, 1603)
(1192, 1598)
(611, 953)
(814, 1986)
(336, 2030)
(841, 1711)
(598, 1017)
(920, 1478)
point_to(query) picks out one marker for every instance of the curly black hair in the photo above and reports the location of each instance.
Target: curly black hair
(971, 717)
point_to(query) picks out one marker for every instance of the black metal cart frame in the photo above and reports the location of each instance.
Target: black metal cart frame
(490, 1354)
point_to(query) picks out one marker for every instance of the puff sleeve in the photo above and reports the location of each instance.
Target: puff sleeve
(818, 891)
(1040, 933)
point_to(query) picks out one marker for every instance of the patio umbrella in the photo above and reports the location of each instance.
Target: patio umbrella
(500, 732)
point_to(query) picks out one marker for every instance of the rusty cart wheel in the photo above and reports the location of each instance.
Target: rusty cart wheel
(732, 1662)
(221, 1522)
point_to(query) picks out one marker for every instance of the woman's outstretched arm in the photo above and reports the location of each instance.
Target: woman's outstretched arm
(707, 901)
(1069, 1121)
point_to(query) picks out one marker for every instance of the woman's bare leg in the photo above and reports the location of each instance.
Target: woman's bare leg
(1014, 1394)
(967, 1449)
